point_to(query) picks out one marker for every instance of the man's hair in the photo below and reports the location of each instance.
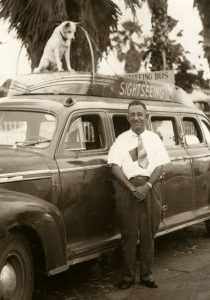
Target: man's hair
(137, 102)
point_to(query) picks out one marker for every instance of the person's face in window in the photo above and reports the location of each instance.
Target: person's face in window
(137, 118)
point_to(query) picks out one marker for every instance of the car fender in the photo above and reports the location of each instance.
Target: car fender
(19, 210)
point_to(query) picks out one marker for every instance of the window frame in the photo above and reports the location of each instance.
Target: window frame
(176, 126)
(84, 152)
(204, 120)
(195, 118)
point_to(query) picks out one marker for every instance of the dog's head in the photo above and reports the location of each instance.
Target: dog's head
(68, 29)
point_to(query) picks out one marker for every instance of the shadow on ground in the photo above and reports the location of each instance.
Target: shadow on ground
(98, 279)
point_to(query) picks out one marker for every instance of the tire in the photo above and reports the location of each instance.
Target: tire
(16, 268)
(207, 224)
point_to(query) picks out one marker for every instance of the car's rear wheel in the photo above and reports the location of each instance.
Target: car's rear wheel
(16, 268)
(207, 224)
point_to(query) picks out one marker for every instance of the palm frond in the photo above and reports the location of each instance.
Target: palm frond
(33, 21)
(133, 4)
(100, 19)
(203, 7)
(30, 17)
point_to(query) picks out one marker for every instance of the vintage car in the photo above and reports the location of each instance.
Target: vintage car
(56, 197)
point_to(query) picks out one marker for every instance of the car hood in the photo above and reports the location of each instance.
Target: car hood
(21, 163)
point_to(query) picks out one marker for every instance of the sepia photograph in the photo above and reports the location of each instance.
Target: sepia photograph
(104, 149)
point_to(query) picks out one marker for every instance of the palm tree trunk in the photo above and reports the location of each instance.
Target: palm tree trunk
(160, 34)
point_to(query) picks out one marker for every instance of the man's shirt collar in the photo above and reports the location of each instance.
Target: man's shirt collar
(134, 134)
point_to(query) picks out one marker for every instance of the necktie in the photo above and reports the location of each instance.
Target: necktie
(142, 154)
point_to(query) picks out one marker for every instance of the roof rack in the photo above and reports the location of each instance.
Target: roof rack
(80, 83)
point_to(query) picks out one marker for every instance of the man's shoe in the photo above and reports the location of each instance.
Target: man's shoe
(149, 282)
(124, 285)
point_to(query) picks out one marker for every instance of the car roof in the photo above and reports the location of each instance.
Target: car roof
(79, 90)
(58, 103)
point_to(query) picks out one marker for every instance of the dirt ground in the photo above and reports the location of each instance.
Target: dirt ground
(181, 269)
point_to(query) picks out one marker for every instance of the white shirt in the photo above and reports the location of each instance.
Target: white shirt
(127, 141)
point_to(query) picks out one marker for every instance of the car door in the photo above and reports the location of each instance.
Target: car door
(177, 183)
(197, 140)
(88, 207)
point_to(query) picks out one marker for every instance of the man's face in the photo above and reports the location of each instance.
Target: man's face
(137, 118)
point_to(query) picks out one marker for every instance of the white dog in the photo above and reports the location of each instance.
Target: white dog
(58, 46)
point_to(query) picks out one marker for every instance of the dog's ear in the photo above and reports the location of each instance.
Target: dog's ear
(67, 25)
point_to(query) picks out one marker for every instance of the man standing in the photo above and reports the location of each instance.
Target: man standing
(137, 158)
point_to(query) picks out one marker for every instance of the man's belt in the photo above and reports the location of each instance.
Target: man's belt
(139, 180)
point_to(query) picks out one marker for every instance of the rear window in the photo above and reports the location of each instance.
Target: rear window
(192, 131)
(166, 128)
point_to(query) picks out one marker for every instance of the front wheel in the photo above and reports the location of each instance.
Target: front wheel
(16, 268)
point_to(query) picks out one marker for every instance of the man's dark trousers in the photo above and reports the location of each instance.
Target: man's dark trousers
(137, 220)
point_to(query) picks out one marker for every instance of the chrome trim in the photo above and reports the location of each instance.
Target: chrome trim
(55, 171)
(180, 158)
(25, 173)
(58, 270)
(21, 178)
(11, 179)
(24, 176)
(200, 155)
(73, 169)
(197, 221)
(89, 256)
(84, 258)
(190, 157)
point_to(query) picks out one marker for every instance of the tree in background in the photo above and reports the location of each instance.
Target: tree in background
(35, 20)
(133, 48)
(160, 40)
(203, 7)
(129, 49)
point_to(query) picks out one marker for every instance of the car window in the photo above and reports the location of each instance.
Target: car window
(192, 131)
(206, 130)
(26, 128)
(85, 133)
(166, 128)
(204, 106)
(120, 124)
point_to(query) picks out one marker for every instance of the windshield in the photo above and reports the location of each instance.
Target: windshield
(26, 128)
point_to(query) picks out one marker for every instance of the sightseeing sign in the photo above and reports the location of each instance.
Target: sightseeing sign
(138, 89)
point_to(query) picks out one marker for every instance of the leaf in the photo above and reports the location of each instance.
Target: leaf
(180, 33)
(133, 5)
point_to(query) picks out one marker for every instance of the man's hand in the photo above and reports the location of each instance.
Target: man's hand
(141, 191)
